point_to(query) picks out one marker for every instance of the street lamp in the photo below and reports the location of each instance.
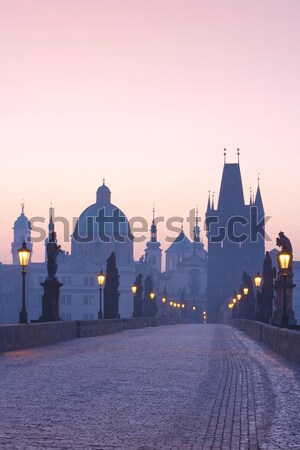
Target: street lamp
(257, 282)
(152, 295)
(284, 261)
(133, 289)
(245, 290)
(24, 255)
(101, 279)
(163, 300)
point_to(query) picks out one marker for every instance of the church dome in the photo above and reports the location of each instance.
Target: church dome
(22, 222)
(104, 226)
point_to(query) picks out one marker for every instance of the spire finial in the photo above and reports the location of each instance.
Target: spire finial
(208, 203)
(153, 212)
(103, 181)
(238, 155)
(22, 206)
(258, 178)
(196, 227)
(224, 155)
(213, 201)
(250, 195)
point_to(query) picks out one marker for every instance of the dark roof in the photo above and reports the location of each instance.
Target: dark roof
(231, 198)
(258, 201)
(181, 244)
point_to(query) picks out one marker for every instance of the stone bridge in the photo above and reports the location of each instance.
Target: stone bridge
(179, 387)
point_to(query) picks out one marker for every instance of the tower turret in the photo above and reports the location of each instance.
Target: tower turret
(153, 252)
(22, 232)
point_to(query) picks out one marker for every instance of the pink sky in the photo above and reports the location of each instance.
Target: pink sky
(147, 93)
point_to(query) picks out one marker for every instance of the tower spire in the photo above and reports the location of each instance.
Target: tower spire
(224, 155)
(153, 228)
(238, 155)
(208, 202)
(250, 196)
(22, 206)
(213, 201)
(196, 227)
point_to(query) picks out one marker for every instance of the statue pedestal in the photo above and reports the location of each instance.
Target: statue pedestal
(50, 311)
(278, 306)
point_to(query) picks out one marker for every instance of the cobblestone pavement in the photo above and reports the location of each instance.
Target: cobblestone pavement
(177, 387)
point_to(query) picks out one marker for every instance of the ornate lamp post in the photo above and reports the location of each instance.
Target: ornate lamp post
(24, 255)
(284, 261)
(101, 279)
(257, 282)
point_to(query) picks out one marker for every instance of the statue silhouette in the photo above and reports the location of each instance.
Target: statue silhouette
(53, 250)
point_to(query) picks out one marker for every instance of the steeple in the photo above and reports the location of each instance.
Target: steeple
(153, 228)
(197, 228)
(213, 202)
(208, 203)
(250, 202)
(153, 251)
(258, 198)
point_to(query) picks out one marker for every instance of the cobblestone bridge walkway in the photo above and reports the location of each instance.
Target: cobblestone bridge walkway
(177, 387)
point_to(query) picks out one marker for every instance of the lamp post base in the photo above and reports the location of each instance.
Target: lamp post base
(23, 316)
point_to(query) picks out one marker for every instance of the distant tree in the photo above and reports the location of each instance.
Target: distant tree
(111, 289)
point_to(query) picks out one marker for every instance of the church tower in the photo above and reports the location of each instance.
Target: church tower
(153, 251)
(233, 245)
(22, 232)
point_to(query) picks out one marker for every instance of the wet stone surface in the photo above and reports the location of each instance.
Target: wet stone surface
(173, 387)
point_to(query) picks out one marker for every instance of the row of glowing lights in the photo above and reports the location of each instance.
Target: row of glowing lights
(284, 261)
(24, 255)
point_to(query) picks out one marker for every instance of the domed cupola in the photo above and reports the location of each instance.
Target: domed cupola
(102, 228)
(103, 195)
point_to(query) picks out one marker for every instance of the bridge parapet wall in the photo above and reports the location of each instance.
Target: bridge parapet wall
(284, 341)
(17, 337)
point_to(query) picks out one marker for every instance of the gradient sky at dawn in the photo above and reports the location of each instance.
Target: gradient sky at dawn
(147, 94)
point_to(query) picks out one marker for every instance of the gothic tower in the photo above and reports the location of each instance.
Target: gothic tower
(234, 242)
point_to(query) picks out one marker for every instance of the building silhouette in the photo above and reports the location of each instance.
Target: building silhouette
(234, 243)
